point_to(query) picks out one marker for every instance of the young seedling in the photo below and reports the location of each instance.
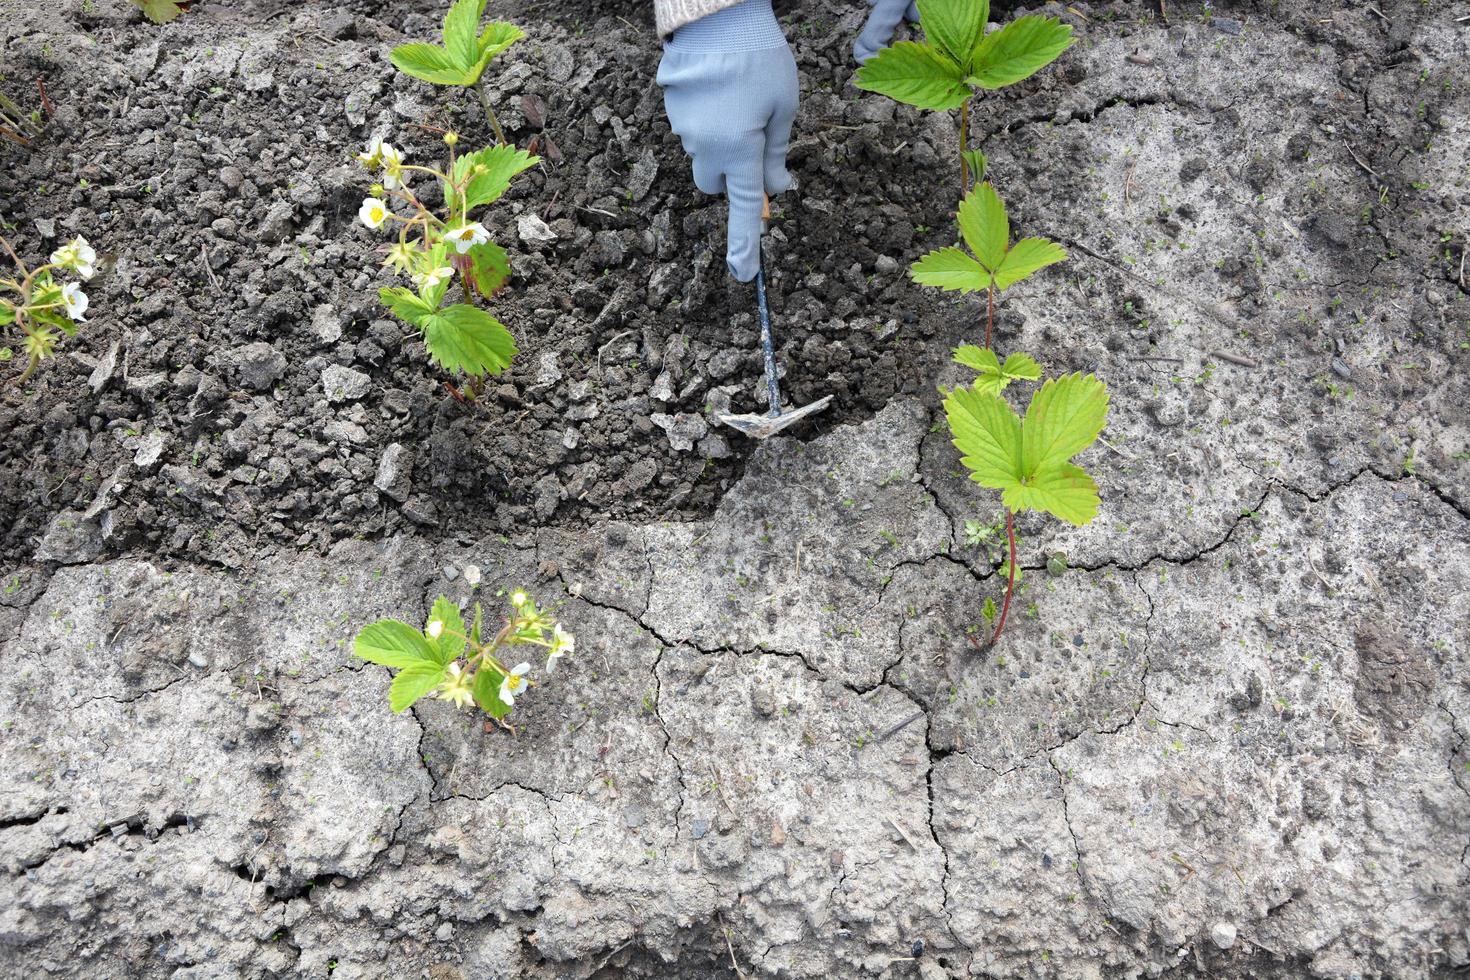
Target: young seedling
(458, 664)
(161, 11)
(995, 264)
(463, 57)
(957, 59)
(432, 250)
(39, 306)
(1029, 460)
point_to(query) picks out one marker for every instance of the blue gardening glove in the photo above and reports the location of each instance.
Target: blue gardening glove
(882, 22)
(731, 92)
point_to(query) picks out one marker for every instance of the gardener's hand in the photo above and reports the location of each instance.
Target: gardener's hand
(882, 22)
(730, 89)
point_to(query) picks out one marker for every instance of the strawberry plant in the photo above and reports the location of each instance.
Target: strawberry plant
(957, 59)
(463, 57)
(993, 264)
(433, 250)
(40, 306)
(464, 665)
(1030, 460)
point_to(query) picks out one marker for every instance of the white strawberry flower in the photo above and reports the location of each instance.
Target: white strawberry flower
(75, 301)
(468, 237)
(518, 599)
(373, 157)
(428, 280)
(562, 643)
(435, 629)
(514, 683)
(373, 212)
(78, 256)
(392, 168)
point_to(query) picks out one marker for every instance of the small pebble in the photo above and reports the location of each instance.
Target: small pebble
(1340, 368)
(1222, 934)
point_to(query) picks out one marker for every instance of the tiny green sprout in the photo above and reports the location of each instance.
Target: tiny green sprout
(463, 57)
(957, 59)
(160, 11)
(993, 264)
(459, 337)
(39, 306)
(457, 664)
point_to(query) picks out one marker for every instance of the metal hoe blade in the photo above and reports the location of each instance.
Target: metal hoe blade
(765, 426)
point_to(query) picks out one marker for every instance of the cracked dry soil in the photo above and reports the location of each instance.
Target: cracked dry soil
(1231, 739)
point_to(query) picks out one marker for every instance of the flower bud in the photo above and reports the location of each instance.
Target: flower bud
(451, 138)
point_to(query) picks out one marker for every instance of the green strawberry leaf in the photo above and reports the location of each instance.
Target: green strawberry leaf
(498, 165)
(412, 683)
(451, 642)
(916, 75)
(955, 27)
(7, 315)
(406, 305)
(159, 11)
(994, 376)
(430, 63)
(490, 267)
(952, 270)
(1026, 257)
(1064, 418)
(393, 644)
(1064, 491)
(1018, 50)
(1022, 367)
(486, 690)
(985, 226)
(463, 338)
(978, 164)
(461, 30)
(497, 37)
(1029, 462)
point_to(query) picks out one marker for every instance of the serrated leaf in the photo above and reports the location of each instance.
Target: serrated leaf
(1029, 461)
(159, 11)
(987, 433)
(500, 164)
(985, 226)
(7, 315)
(951, 269)
(956, 26)
(978, 165)
(405, 304)
(461, 31)
(486, 690)
(451, 642)
(490, 267)
(980, 359)
(1022, 367)
(431, 63)
(1026, 257)
(1018, 50)
(1064, 418)
(498, 36)
(1065, 491)
(464, 338)
(915, 74)
(412, 683)
(393, 644)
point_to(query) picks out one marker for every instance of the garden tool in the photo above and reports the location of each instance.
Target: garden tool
(775, 420)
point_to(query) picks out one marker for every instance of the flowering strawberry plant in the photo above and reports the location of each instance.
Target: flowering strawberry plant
(461, 665)
(41, 306)
(434, 251)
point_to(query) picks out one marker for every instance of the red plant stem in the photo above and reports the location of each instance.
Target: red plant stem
(45, 99)
(990, 314)
(1011, 584)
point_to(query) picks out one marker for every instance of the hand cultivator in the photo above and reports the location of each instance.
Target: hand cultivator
(775, 420)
